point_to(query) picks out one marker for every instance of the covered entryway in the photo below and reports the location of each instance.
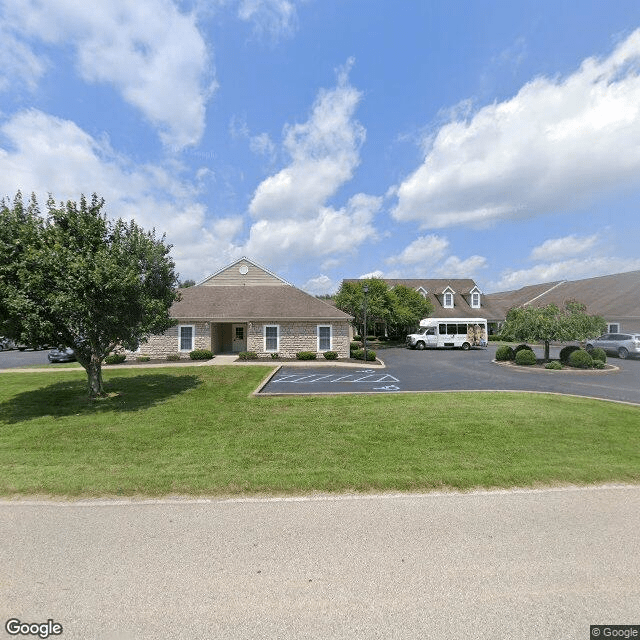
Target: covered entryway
(228, 337)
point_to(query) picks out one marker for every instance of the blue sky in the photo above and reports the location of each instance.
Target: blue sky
(331, 139)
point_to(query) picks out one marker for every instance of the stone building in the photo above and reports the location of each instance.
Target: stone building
(245, 307)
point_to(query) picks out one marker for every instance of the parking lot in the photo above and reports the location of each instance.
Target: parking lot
(456, 370)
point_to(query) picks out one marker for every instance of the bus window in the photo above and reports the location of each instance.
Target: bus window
(442, 329)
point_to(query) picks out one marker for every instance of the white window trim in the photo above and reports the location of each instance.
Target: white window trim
(264, 336)
(322, 326)
(422, 291)
(475, 295)
(444, 300)
(193, 337)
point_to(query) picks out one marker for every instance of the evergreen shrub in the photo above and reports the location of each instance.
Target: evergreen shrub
(331, 355)
(248, 355)
(599, 355)
(580, 359)
(525, 357)
(306, 355)
(115, 358)
(505, 353)
(565, 352)
(201, 354)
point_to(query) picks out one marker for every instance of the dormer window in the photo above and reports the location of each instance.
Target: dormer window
(422, 291)
(447, 298)
(475, 298)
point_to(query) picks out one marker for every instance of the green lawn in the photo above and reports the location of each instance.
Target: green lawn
(196, 430)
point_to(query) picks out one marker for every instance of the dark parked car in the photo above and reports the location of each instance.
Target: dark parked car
(5, 343)
(620, 344)
(62, 354)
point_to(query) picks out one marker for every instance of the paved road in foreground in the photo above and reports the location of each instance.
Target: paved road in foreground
(456, 370)
(534, 564)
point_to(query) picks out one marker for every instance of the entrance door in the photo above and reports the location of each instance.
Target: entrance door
(238, 338)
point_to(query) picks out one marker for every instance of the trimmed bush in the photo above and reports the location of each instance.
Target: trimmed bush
(331, 355)
(173, 357)
(525, 357)
(143, 358)
(521, 347)
(357, 338)
(306, 355)
(275, 356)
(201, 354)
(598, 355)
(495, 338)
(598, 364)
(248, 355)
(553, 365)
(580, 359)
(505, 353)
(565, 352)
(115, 358)
(359, 354)
(354, 346)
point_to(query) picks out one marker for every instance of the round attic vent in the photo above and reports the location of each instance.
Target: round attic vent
(244, 269)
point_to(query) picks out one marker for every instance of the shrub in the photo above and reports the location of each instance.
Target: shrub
(248, 355)
(115, 358)
(354, 346)
(598, 355)
(143, 358)
(359, 354)
(504, 353)
(553, 365)
(565, 352)
(331, 355)
(306, 355)
(521, 347)
(598, 364)
(580, 359)
(495, 338)
(357, 338)
(275, 356)
(525, 357)
(173, 357)
(201, 354)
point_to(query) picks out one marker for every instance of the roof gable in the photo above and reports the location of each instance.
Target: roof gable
(243, 273)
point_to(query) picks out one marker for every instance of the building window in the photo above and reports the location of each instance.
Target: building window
(613, 327)
(324, 338)
(475, 300)
(186, 335)
(448, 301)
(271, 337)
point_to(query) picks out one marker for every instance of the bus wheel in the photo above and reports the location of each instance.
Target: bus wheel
(466, 346)
(420, 346)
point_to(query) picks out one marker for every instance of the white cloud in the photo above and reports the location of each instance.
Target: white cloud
(276, 18)
(425, 251)
(573, 269)
(453, 267)
(18, 64)
(153, 54)
(324, 153)
(557, 144)
(330, 232)
(320, 285)
(561, 248)
(372, 274)
(51, 155)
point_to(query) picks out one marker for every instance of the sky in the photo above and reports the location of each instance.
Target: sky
(330, 139)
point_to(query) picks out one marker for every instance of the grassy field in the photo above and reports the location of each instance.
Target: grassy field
(197, 431)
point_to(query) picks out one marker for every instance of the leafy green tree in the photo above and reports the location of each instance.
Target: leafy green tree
(78, 279)
(408, 308)
(551, 324)
(399, 308)
(185, 284)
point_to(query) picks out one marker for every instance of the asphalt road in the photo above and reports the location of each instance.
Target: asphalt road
(13, 358)
(456, 370)
(520, 565)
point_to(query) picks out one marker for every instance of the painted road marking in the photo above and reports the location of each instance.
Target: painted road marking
(369, 377)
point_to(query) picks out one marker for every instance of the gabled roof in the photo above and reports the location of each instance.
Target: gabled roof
(241, 304)
(614, 296)
(243, 272)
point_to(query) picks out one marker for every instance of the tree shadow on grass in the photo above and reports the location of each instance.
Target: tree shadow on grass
(70, 398)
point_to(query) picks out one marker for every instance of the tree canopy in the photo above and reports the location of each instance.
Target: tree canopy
(551, 324)
(77, 279)
(400, 307)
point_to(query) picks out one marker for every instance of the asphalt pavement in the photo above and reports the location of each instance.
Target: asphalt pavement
(543, 564)
(457, 370)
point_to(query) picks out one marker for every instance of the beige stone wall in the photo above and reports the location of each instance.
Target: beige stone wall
(299, 336)
(160, 346)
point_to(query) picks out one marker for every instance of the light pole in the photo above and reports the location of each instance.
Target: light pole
(365, 290)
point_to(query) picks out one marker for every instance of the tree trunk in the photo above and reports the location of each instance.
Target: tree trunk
(94, 377)
(546, 351)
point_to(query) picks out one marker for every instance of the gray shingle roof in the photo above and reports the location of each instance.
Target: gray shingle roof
(225, 304)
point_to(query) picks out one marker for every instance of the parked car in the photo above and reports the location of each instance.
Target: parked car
(620, 344)
(62, 354)
(6, 343)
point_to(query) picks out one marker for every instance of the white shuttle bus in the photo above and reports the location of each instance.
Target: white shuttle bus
(449, 332)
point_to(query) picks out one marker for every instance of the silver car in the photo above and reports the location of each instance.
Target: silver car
(620, 344)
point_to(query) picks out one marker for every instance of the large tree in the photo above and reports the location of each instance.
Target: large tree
(399, 307)
(81, 280)
(551, 324)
